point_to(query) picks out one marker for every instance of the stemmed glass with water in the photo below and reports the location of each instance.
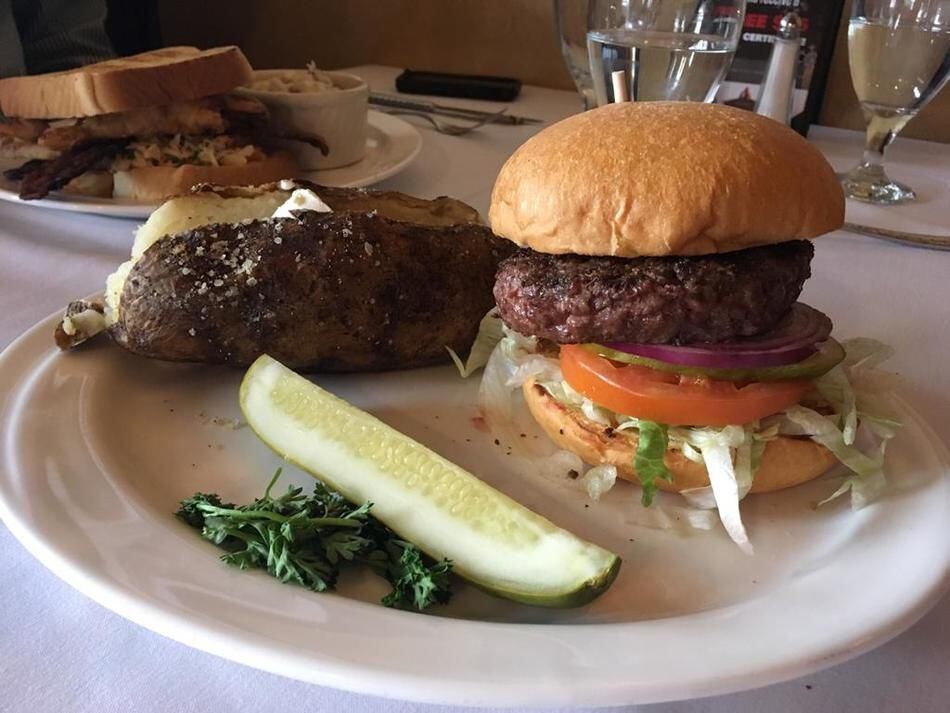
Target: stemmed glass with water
(677, 50)
(900, 59)
(571, 19)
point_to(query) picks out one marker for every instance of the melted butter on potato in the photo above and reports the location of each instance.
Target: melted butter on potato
(301, 199)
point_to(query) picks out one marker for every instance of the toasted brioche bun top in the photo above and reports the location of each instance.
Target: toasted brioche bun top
(785, 463)
(172, 74)
(664, 178)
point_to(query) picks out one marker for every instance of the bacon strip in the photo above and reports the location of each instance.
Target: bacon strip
(38, 178)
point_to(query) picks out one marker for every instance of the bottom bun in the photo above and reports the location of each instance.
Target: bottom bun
(156, 183)
(786, 462)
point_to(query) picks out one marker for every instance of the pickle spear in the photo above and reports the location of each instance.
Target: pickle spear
(492, 541)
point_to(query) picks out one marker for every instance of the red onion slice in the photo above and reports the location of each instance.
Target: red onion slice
(793, 340)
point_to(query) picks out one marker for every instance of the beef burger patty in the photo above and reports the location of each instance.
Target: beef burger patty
(573, 299)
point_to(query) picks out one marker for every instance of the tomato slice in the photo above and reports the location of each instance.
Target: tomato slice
(673, 398)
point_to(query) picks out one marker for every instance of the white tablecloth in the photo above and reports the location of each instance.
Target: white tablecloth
(61, 652)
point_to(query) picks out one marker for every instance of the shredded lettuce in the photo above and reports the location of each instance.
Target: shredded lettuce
(495, 398)
(652, 443)
(513, 361)
(664, 515)
(864, 490)
(599, 480)
(760, 439)
(729, 481)
(848, 407)
(690, 452)
(556, 463)
(836, 389)
(489, 334)
(863, 353)
(856, 390)
(562, 392)
(868, 479)
(660, 515)
(725, 486)
(823, 430)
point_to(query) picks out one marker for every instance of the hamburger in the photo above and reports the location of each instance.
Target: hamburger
(651, 315)
(141, 127)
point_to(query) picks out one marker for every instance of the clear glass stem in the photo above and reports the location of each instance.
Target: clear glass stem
(876, 140)
(588, 99)
(868, 181)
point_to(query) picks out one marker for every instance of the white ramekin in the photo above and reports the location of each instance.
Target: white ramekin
(338, 117)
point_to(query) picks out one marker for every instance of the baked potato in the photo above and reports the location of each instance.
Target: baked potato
(383, 281)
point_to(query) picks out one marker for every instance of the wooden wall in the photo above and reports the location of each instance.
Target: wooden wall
(507, 37)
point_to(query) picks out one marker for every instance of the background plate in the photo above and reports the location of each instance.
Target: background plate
(391, 145)
(98, 446)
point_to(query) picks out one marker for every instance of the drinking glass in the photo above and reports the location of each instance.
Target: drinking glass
(571, 18)
(677, 50)
(899, 52)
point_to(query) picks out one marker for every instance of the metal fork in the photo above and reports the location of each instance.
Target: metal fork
(447, 127)
(935, 242)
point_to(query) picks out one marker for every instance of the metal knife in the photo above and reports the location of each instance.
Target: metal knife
(394, 102)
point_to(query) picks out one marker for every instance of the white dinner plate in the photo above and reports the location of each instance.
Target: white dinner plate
(391, 145)
(98, 446)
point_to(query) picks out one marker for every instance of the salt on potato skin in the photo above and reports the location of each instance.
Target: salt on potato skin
(362, 288)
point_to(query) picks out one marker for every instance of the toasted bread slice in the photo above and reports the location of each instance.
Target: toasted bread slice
(172, 74)
(156, 183)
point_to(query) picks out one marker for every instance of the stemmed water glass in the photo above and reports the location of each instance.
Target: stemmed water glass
(571, 19)
(900, 59)
(677, 50)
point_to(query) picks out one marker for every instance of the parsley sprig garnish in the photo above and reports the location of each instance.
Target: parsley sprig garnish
(306, 540)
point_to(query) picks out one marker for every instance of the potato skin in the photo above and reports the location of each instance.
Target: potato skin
(325, 292)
